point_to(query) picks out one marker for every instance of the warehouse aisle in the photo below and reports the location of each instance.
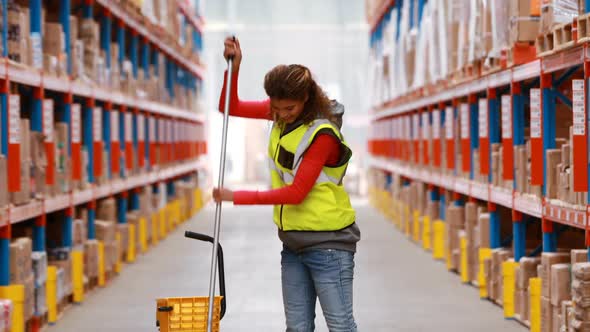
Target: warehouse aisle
(397, 287)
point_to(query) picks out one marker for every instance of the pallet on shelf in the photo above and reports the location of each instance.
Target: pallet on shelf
(545, 44)
(491, 65)
(562, 36)
(583, 28)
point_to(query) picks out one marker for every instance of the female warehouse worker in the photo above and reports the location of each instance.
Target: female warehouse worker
(315, 220)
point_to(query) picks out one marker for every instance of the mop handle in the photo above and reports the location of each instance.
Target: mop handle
(216, 230)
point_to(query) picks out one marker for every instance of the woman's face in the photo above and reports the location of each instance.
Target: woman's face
(286, 110)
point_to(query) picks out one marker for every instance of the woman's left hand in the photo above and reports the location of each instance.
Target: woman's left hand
(222, 195)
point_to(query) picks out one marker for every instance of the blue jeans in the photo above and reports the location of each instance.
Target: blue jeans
(320, 273)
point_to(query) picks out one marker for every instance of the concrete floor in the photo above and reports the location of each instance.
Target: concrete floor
(398, 287)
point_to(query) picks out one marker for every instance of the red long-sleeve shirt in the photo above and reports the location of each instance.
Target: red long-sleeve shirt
(323, 151)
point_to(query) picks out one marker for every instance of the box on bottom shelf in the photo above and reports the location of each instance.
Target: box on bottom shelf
(40, 267)
(40, 300)
(91, 258)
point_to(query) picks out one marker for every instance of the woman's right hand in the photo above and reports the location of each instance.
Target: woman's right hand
(232, 49)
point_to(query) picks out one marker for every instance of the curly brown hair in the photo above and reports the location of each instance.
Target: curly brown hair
(296, 83)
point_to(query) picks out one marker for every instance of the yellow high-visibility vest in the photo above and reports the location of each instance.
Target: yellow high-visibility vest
(327, 206)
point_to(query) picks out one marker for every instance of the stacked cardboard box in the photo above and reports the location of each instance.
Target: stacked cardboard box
(90, 36)
(471, 224)
(80, 232)
(455, 217)
(21, 271)
(63, 165)
(495, 280)
(527, 270)
(133, 219)
(560, 291)
(553, 157)
(107, 210)
(21, 265)
(106, 232)
(579, 314)
(53, 48)
(64, 277)
(524, 25)
(39, 165)
(18, 34)
(123, 230)
(545, 272)
(39, 261)
(91, 258)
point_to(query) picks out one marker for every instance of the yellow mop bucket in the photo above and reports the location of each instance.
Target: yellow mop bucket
(190, 314)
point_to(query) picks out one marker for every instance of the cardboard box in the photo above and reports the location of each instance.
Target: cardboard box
(553, 157)
(524, 311)
(66, 278)
(546, 315)
(560, 283)
(549, 259)
(105, 231)
(579, 256)
(524, 29)
(40, 307)
(39, 260)
(133, 219)
(80, 232)
(565, 308)
(21, 265)
(484, 230)
(556, 319)
(107, 210)
(527, 270)
(91, 258)
(456, 216)
(53, 39)
(123, 230)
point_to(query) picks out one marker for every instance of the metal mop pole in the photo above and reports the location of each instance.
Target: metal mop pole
(216, 230)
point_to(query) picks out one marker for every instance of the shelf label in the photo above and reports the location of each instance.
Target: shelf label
(48, 120)
(579, 141)
(114, 126)
(506, 116)
(140, 127)
(436, 124)
(464, 121)
(76, 123)
(14, 115)
(483, 118)
(449, 119)
(535, 106)
(578, 107)
(37, 50)
(425, 126)
(128, 126)
(536, 138)
(97, 124)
